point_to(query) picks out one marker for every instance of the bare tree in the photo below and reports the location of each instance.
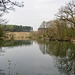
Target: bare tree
(5, 6)
(67, 13)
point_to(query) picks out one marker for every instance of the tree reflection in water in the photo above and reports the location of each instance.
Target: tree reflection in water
(13, 43)
(64, 53)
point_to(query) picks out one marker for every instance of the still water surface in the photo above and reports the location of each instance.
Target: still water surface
(25, 57)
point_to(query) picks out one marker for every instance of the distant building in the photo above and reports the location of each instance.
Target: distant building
(42, 29)
(45, 25)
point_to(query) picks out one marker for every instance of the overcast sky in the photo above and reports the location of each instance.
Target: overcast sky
(35, 12)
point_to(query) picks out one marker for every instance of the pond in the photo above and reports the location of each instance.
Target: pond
(25, 57)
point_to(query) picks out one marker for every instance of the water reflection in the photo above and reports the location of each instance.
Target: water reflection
(13, 43)
(6, 45)
(11, 69)
(41, 58)
(64, 53)
(2, 72)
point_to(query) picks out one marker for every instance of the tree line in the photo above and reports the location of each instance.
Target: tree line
(16, 28)
(61, 28)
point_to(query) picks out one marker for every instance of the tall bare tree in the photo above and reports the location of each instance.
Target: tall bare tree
(67, 13)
